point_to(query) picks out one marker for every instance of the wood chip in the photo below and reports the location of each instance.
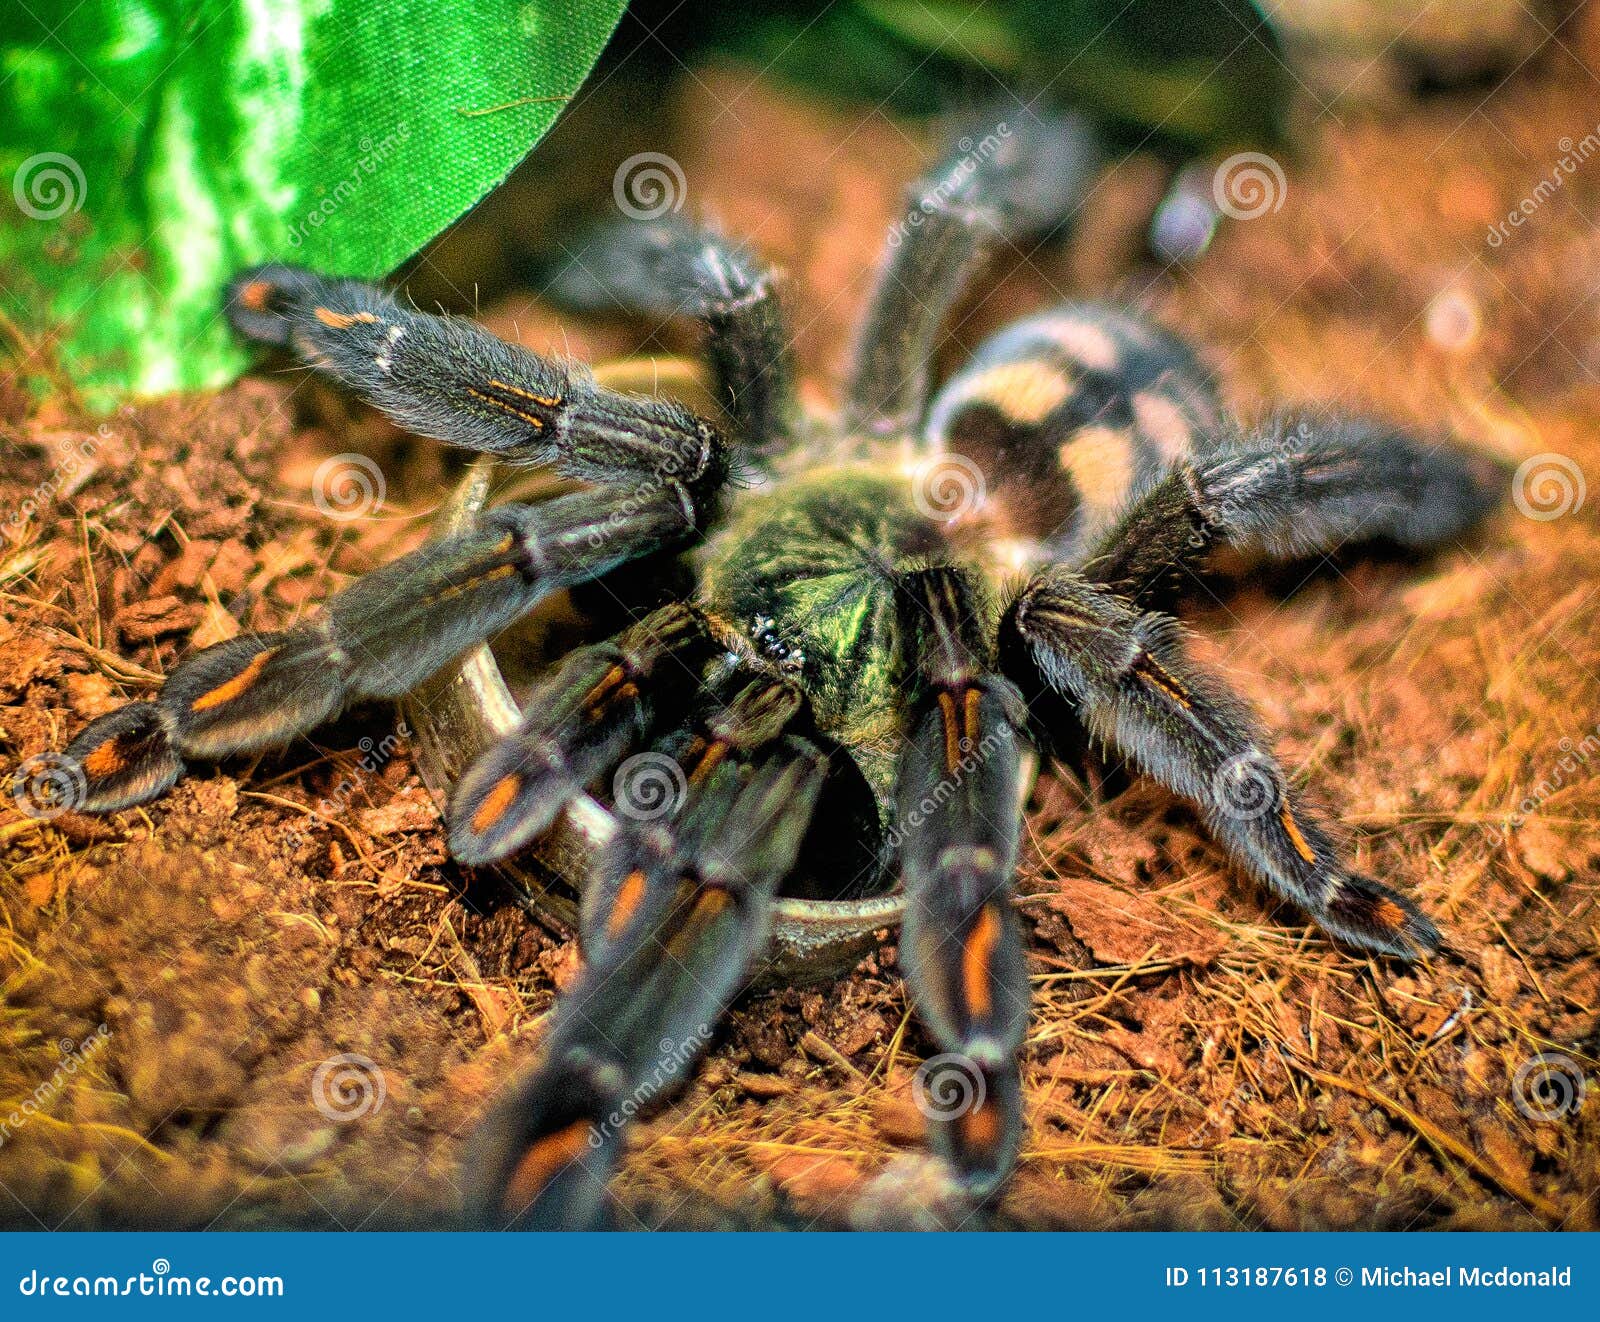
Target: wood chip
(143, 621)
(1121, 926)
(814, 1178)
(762, 1085)
(412, 809)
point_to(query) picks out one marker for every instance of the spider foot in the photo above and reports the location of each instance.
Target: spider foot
(126, 757)
(263, 304)
(1368, 915)
(542, 1157)
(974, 1120)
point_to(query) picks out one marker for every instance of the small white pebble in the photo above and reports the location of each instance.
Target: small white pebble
(1454, 320)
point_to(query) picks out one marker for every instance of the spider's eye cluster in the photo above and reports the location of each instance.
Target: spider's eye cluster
(787, 656)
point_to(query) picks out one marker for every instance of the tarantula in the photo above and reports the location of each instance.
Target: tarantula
(817, 630)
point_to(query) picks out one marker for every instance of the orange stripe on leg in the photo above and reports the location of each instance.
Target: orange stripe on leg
(974, 698)
(468, 584)
(1151, 669)
(629, 894)
(536, 423)
(952, 736)
(342, 320)
(496, 801)
(980, 1127)
(710, 904)
(611, 687)
(1389, 915)
(709, 761)
(976, 957)
(1301, 846)
(106, 760)
(707, 906)
(549, 401)
(602, 690)
(255, 294)
(541, 1163)
(230, 689)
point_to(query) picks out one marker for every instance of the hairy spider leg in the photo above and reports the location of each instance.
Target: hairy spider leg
(674, 919)
(1124, 670)
(1297, 484)
(379, 638)
(1004, 182)
(959, 818)
(448, 378)
(671, 268)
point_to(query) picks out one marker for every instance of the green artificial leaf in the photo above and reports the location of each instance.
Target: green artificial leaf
(149, 149)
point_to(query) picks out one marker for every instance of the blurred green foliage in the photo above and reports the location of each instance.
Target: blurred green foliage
(151, 148)
(1186, 74)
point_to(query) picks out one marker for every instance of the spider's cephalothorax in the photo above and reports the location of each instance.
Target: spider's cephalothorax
(888, 617)
(1054, 426)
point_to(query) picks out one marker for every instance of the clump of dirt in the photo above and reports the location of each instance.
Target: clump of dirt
(270, 998)
(224, 1010)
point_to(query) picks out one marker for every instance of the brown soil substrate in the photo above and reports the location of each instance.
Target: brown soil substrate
(1196, 1059)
